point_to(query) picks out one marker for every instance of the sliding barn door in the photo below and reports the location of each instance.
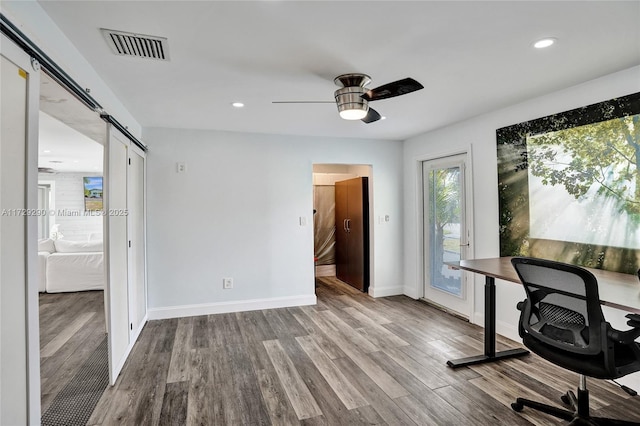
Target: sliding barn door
(125, 247)
(19, 346)
(352, 232)
(116, 250)
(137, 248)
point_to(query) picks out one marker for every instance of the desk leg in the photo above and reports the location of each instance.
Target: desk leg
(490, 353)
(490, 317)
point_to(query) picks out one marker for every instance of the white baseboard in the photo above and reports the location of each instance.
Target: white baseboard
(385, 291)
(508, 330)
(226, 307)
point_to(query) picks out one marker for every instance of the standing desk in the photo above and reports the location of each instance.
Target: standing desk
(617, 290)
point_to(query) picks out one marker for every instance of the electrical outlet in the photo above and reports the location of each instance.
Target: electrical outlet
(227, 283)
(181, 167)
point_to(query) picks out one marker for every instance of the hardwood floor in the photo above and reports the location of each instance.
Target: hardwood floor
(72, 326)
(350, 359)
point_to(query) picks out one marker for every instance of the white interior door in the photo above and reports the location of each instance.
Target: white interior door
(446, 232)
(19, 345)
(116, 250)
(137, 246)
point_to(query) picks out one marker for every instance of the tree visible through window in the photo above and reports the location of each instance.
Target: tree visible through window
(444, 216)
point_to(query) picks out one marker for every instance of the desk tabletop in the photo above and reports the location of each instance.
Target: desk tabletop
(617, 290)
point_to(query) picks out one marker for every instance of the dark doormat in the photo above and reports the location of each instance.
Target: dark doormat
(77, 400)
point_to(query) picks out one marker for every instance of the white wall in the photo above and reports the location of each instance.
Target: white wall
(235, 213)
(75, 223)
(480, 134)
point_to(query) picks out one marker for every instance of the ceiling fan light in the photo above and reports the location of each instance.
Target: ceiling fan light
(353, 114)
(351, 105)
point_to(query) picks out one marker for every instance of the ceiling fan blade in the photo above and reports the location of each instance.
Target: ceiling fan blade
(372, 115)
(390, 90)
(303, 102)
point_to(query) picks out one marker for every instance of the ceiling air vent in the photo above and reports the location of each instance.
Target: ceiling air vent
(138, 45)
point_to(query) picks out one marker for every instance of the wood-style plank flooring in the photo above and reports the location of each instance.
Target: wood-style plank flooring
(72, 326)
(348, 360)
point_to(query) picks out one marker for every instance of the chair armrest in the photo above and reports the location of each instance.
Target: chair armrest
(634, 320)
(624, 337)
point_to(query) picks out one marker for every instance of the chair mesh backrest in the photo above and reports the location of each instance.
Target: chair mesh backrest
(562, 307)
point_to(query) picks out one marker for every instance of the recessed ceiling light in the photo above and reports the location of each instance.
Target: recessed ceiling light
(383, 118)
(46, 151)
(237, 104)
(545, 42)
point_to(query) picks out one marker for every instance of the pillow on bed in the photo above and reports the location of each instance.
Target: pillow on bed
(63, 246)
(46, 244)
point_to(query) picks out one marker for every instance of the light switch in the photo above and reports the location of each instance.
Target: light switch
(303, 221)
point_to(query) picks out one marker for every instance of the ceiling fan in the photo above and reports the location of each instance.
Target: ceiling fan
(353, 97)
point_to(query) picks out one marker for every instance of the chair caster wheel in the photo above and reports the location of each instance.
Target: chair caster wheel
(516, 406)
(565, 399)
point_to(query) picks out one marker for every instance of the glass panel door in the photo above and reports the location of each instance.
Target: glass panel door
(446, 237)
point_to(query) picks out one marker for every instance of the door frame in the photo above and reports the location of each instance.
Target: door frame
(419, 220)
(369, 174)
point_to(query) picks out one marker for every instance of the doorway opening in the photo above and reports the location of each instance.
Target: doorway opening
(74, 365)
(342, 248)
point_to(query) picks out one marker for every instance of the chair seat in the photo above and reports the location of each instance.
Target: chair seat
(589, 365)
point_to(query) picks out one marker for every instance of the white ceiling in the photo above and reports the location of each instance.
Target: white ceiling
(70, 135)
(472, 57)
(64, 149)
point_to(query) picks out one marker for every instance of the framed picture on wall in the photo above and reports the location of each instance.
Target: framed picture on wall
(92, 193)
(569, 186)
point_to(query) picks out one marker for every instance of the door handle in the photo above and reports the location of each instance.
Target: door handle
(344, 225)
(348, 225)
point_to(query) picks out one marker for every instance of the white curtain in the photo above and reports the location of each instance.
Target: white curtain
(324, 224)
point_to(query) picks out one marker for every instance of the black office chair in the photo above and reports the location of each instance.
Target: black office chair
(561, 320)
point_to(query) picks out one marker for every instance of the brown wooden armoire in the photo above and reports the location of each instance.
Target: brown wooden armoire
(352, 232)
